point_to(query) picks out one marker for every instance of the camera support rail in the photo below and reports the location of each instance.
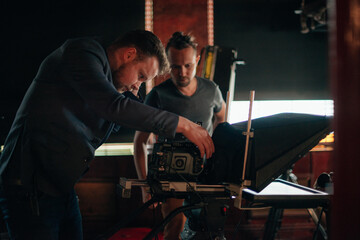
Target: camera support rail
(170, 188)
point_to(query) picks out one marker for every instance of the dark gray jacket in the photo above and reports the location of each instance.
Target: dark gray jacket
(66, 113)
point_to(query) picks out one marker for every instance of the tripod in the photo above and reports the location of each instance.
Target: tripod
(206, 208)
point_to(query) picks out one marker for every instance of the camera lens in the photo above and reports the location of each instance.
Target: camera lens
(179, 163)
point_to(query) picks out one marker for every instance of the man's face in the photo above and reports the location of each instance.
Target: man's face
(183, 65)
(130, 75)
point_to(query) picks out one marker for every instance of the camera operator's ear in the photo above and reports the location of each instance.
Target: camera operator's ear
(130, 54)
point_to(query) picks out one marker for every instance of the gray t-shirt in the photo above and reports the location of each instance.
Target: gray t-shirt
(200, 107)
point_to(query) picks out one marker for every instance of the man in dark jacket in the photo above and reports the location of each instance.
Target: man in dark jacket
(67, 113)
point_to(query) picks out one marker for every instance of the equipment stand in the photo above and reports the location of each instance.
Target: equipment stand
(204, 203)
(273, 223)
(175, 212)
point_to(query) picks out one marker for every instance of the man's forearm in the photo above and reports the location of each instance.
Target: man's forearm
(140, 154)
(140, 158)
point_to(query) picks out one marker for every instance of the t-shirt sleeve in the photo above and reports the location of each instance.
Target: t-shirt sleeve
(218, 100)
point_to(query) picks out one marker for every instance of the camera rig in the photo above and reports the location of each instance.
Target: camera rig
(175, 159)
(176, 170)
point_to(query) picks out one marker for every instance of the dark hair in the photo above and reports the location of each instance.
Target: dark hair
(146, 44)
(179, 41)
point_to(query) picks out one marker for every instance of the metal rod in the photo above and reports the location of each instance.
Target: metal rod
(227, 106)
(252, 96)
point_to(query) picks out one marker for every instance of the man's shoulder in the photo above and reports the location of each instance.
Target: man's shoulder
(90, 46)
(206, 82)
(84, 42)
(158, 90)
(165, 85)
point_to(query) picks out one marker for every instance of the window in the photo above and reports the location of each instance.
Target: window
(239, 110)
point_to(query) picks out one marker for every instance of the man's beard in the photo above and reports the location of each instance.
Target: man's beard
(183, 83)
(116, 82)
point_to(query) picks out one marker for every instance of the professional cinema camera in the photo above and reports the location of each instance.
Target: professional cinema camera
(175, 159)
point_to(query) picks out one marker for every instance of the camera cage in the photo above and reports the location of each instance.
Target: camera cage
(175, 159)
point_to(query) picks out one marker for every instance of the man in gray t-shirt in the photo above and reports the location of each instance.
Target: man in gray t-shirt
(189, 96)
(200, 107)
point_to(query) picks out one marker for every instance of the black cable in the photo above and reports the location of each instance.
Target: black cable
(157, 229)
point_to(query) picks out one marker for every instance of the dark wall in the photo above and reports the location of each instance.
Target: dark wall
(30, 30)
(281, 62)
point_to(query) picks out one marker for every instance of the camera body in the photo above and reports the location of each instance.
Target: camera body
(175, 159)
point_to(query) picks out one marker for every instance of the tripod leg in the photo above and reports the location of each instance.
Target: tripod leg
(317, 221)
(273, 223)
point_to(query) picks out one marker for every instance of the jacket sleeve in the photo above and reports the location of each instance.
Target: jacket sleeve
(86, 65)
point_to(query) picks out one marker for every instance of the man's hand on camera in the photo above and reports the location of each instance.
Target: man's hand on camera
(197, 135)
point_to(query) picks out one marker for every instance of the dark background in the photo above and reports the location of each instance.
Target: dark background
(31, 30)
(281, 62)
